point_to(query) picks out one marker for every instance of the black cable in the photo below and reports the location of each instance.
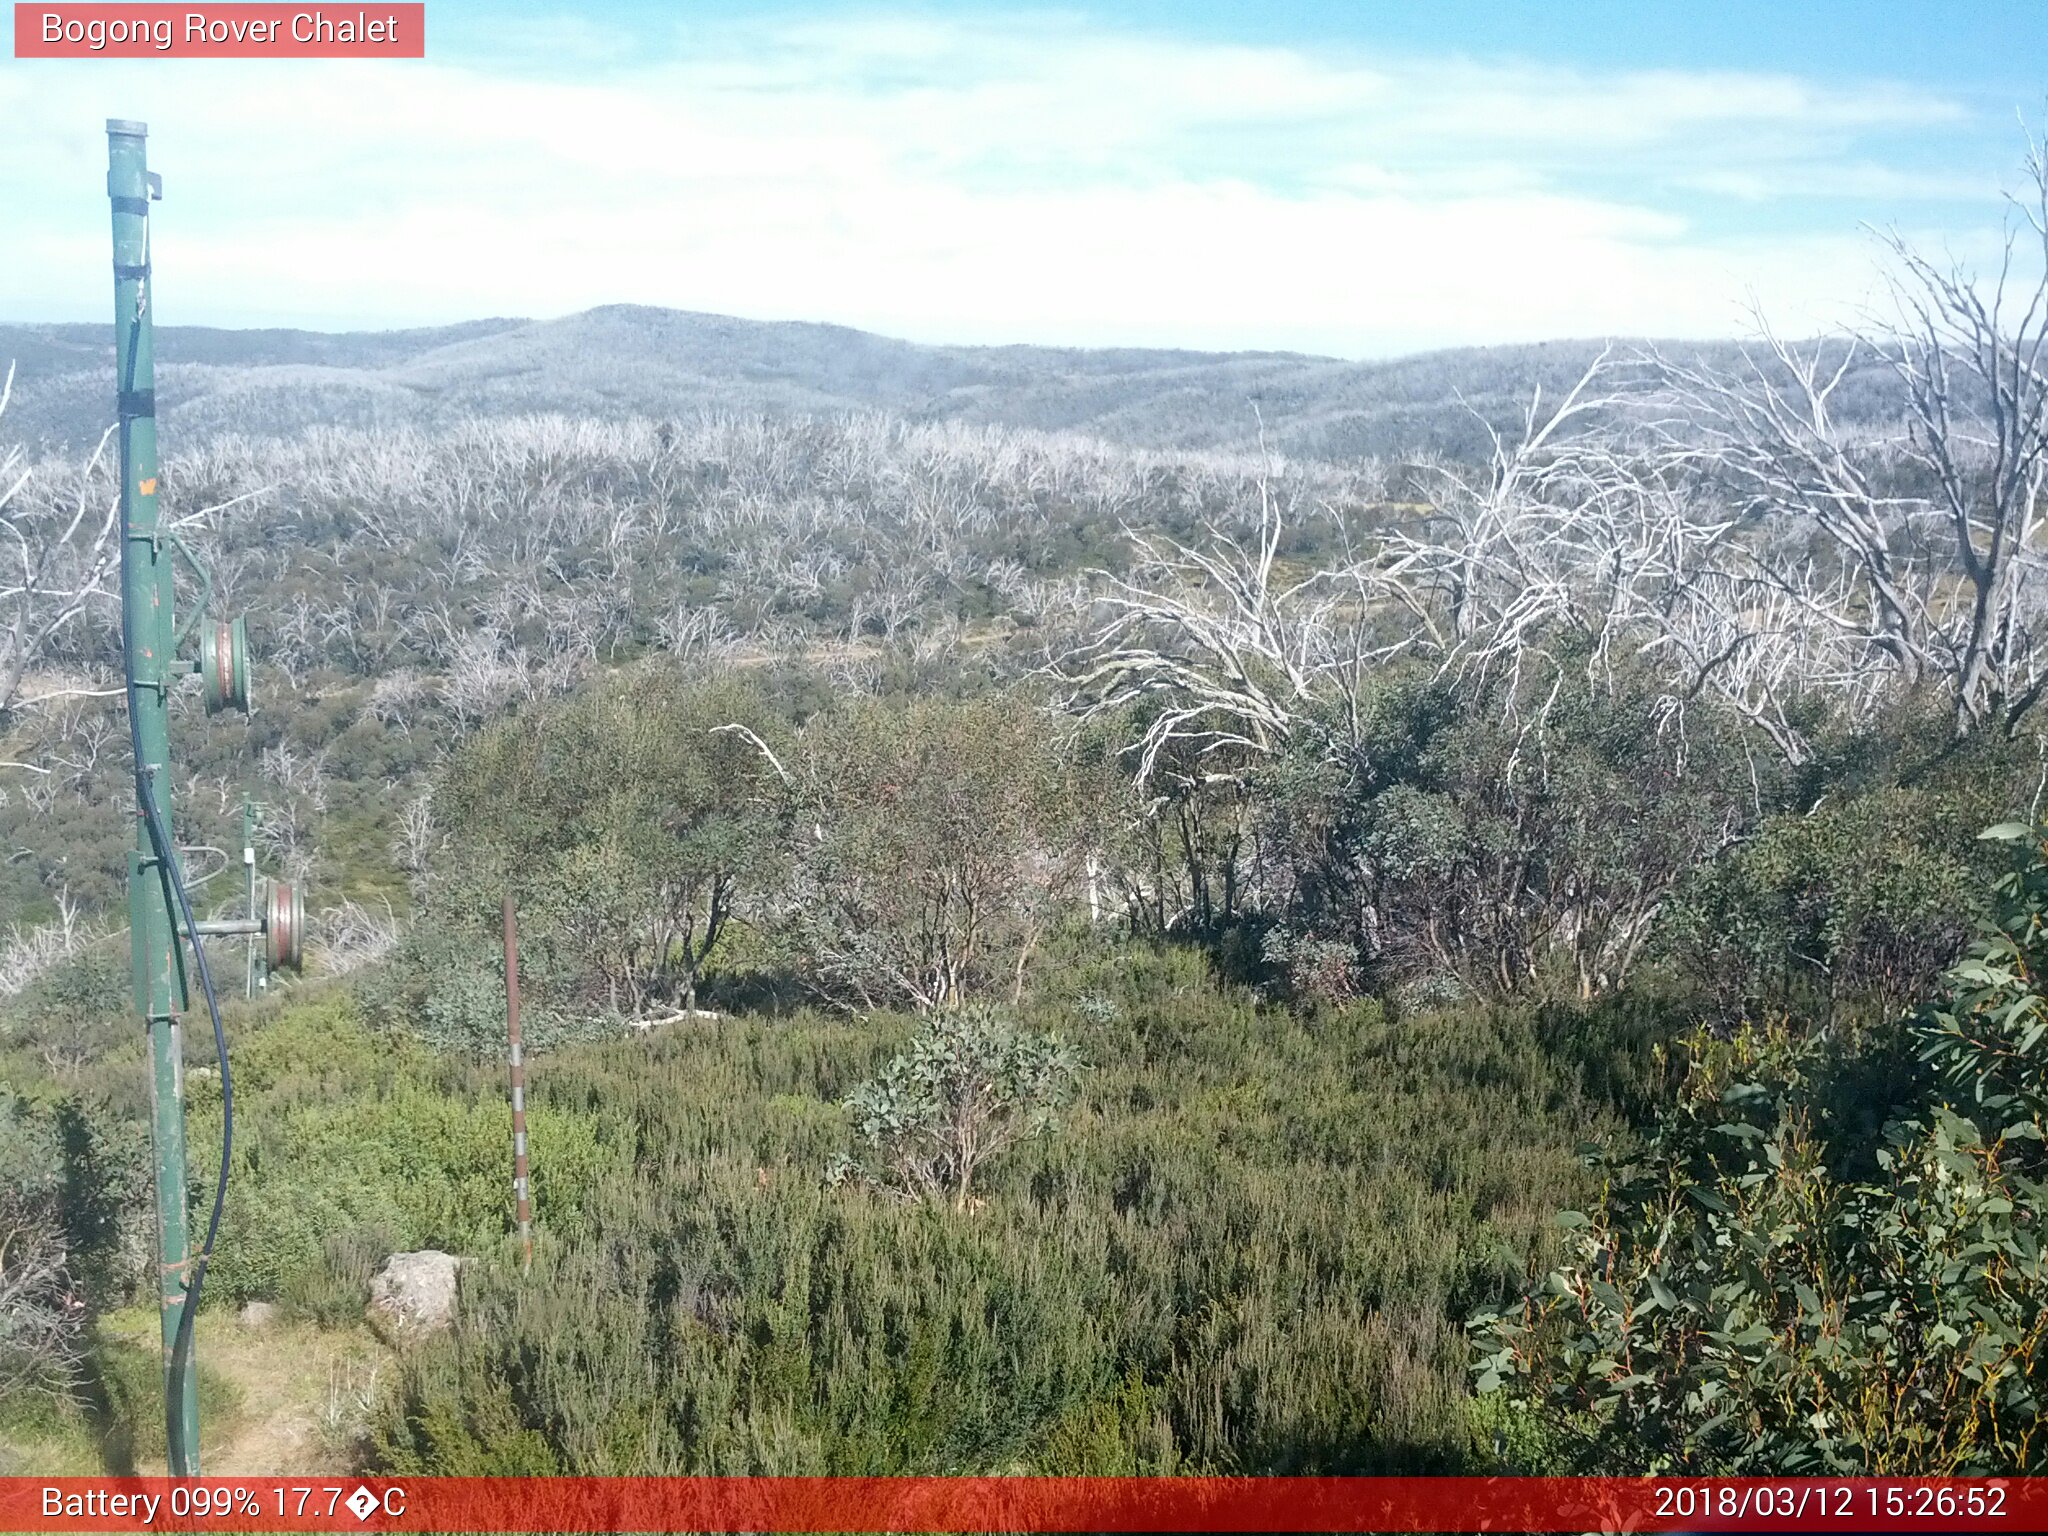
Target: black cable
(173, 878)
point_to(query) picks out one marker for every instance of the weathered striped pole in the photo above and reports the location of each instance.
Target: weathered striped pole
(252, 975)
(522, 1190)
(146, 644)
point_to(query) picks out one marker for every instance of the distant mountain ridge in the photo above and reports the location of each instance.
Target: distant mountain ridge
(639, 361)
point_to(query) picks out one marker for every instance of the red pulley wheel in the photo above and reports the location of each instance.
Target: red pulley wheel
(284, 926)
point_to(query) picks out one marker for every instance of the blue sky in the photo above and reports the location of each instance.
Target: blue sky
(1356, 179)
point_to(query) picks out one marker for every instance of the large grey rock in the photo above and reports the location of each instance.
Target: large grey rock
(414, 1293)
(258, 1314)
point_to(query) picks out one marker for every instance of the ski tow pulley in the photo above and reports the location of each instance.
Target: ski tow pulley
(224, 664)
(284, 926)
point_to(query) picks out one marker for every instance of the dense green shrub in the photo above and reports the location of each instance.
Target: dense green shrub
(1241, 1252)
(74, 1012)
(41, 1318)
(1828, 1258)
(345, 1138)
(444, 985)
(1495, 844)
(1860, 900)
(936, 848)
(1487, 905)
(629, 823)
(334, 1289)
(970, 1085)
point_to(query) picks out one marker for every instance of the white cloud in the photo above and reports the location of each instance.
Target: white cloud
(1036, 179)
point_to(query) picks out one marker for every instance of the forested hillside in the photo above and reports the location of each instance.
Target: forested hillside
(1126, 948)
(639, 362)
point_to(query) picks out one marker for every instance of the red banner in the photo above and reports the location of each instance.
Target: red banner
(1023, 1504)
(119, 31)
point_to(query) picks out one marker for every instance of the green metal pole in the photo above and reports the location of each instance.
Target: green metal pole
(146, 623)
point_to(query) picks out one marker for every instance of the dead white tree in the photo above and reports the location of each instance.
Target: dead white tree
(353, 936)
(60, 557)
(396, 697)
(1760, 636)
(42, 1315)
(1229, 653)
(695, 634)
(287, 832)
(486, 674)
(1929, 567)
(418, 837)
(29, 953)
(1541, 557)
(299, 773)
(1557, 537)
(1969, 355)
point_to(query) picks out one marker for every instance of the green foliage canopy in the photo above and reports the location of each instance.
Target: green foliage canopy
(1774, 1282)
(971, 1083)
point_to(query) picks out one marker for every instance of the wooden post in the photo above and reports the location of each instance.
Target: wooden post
(522, 1190)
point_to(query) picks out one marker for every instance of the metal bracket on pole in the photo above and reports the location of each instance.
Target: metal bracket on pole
(184, 551)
